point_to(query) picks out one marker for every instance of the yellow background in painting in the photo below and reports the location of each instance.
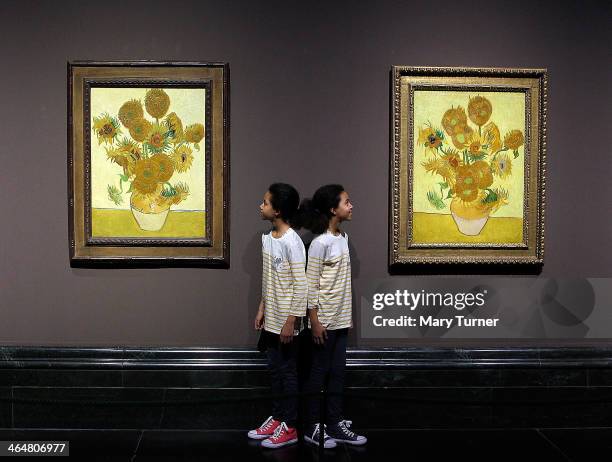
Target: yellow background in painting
(432, 228)
(188, 103)
(437, 226)
(121, 223)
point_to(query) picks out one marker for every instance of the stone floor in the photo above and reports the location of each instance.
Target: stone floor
(563, 444)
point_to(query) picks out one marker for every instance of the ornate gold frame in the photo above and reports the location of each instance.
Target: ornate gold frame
(213, 250)
(404, 80)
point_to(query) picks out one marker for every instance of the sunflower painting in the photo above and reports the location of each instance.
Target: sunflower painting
(147, 162)
(468, 163)
(468, 170)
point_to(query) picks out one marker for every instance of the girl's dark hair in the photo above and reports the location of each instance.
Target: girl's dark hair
(285, 199)
(314, 214)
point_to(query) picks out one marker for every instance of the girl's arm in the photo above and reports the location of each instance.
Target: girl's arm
(297, 263)
(259, 318)
(297, 266)
(316, 255)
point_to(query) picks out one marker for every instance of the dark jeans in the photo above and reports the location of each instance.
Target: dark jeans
(328, 365)
(282, 364)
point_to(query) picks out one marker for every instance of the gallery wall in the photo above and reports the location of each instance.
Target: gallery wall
(309, 106)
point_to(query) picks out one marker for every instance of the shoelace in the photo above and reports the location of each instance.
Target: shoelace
(315, 435)
(264, 426)
(344, 426)
(279, 430)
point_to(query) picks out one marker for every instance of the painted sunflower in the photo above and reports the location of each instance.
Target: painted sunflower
(466, 187)
(461, 139)
(157, 102)
(132, 152)
(492, 137)
(501, 165)
(118, 157)
(194, 133)
(454, 121)
(430, 138)
(157, 140)
(130, 111)
(140, 129)
(475, 143)
(483, 174)
(452, 158)
(175, 126)
(165, 167)
(147, 176)
(514, 139)
(182, 158)
(445, 166)
(479, 110)
(106, 128)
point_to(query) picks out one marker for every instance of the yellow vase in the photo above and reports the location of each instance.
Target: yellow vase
(150, 210)
(470, 217)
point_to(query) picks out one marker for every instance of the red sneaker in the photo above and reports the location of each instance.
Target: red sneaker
(283, 436)
(265, 430)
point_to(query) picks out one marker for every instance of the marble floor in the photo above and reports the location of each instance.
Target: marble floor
(499, 445)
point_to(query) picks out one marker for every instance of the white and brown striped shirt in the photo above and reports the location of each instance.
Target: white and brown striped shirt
(284, 287)
(329, 280)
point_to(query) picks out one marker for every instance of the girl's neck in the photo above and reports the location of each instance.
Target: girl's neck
(279, 227)
(334, 226)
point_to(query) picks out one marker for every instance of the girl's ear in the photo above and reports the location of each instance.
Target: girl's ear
(333, 211)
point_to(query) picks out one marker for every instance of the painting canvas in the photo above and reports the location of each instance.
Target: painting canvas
(465, 187)
(149, 163)
(467, 166)
(148, 169)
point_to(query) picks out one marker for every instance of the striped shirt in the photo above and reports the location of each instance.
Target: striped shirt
(329, 280)
(284, 287)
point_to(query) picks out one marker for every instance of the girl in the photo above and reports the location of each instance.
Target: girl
(283, 303)
(329, 309)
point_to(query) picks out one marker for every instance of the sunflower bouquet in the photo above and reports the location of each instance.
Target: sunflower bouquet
(149, 152)
(469, 158)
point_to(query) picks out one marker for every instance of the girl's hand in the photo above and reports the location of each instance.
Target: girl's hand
(319, 332)
(286, 334)
(259, 320)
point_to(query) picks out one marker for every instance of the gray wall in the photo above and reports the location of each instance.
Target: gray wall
(310, 105)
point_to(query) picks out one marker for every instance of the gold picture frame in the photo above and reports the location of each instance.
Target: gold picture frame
(148, 163)
(468, 165)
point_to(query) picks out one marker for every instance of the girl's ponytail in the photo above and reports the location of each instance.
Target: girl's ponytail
(314, 214)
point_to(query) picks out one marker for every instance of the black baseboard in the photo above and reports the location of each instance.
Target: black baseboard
(152, 388)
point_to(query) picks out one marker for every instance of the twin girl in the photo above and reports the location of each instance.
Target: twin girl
(312, 293)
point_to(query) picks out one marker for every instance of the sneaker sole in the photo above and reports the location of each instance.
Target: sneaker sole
(258, 437)
(279, 445)
(354, 443)
(311, 441)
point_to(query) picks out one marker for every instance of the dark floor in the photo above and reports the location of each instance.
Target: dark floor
(583, 444)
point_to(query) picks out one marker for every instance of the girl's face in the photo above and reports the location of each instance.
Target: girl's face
(266, 209)
(344, 211)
